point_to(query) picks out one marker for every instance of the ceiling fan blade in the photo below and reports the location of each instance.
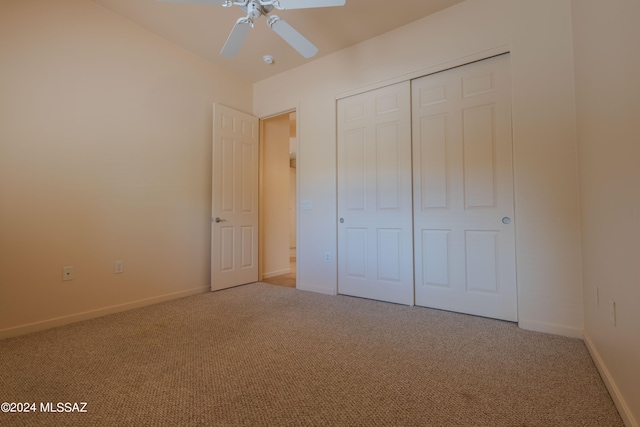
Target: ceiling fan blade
(236, 37)
(291, 36)
(303, 4)
(214, 2)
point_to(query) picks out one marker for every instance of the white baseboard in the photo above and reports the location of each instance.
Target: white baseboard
(276, 273)
(550, 328)
(619, 401)
(65, 320)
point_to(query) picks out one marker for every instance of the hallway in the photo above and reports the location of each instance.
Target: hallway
(288, 280)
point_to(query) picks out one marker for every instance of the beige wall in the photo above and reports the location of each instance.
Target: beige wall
(105, 154)
(538, 34)
(274, 193)
(608, 104)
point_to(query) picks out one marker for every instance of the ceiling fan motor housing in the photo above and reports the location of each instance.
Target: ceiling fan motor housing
(255, 9)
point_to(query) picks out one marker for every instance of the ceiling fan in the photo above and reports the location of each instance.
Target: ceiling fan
(257, 8)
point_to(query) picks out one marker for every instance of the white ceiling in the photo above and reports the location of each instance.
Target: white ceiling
(203, 29)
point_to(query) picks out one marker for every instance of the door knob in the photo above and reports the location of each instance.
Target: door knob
(219, 220)
(506, 220)
(341, 220)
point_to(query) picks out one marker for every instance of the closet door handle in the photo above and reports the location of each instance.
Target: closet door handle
(341, 220)
(219, 219)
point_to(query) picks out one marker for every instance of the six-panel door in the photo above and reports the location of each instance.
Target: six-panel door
(234, 218)
(374, 195)
(463, 190)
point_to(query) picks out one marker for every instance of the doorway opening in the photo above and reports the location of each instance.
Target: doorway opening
(277, 200)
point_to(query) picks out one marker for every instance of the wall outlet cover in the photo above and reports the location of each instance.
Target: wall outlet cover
(119, 267)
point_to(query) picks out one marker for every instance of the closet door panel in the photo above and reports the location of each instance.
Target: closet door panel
(375, 247)
(463, 190)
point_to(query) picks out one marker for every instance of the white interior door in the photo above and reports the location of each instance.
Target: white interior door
(374, 195)
(463, 190)
(234, 211)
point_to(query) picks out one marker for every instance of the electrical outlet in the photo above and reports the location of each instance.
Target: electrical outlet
(327, 257)
(67, 273)
(118, 267)
(612, 312)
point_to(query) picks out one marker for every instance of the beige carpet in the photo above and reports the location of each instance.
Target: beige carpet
(261, 355)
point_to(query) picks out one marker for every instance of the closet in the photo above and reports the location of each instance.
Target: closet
(425, 192)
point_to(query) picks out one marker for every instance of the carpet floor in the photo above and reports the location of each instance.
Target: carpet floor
(263, 355)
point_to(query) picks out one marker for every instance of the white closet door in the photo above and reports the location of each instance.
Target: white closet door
(375, 249)
(463, 190)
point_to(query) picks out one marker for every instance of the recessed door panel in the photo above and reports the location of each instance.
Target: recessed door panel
(249, 129)
(433, 161)
(248, 177)
(226, 249)
(227, 122)
(227, 175)
(354, 111)
(479, 156)
(387, 104)
(432, 95)
(473, 85)
(388, 175)
(248, 245)
(390, 254)
(482, 260)
(356, 252)
(435, 257)
(355, 174)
